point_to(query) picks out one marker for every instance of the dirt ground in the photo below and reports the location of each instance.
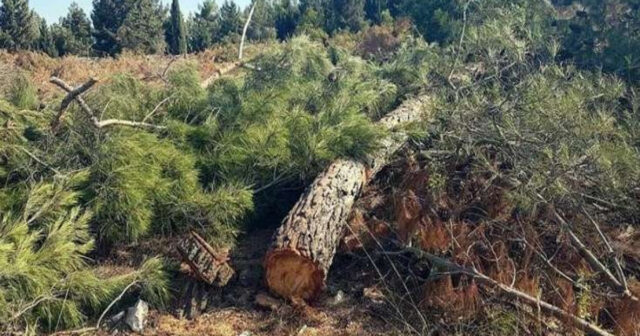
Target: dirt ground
(244, 306)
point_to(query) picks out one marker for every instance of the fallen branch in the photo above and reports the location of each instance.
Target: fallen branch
(612, 253)
(81, 331)
(75, 94)
(535, 303)
(71, 96)
(209, 265)
(30, 306)
(163, 76)
(593, 260)
(240, 63)
(114, 302)
(36, 159)
(156, 108)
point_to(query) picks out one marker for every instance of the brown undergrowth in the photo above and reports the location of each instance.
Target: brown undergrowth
(75, 70)
(467, 218)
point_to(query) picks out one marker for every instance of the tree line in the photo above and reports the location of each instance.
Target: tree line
(147, 26)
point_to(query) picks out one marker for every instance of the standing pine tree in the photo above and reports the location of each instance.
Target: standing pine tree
(143, 28)
(73, 35)
(45, 40)
(107, 17)
(175, 31)
(262, 23)
(373, 10)
(287, 15)
(204, 27)
(437, 20)
(128, 24)
(230, 20)
(312, 17)
(18, 29)
(345, 15)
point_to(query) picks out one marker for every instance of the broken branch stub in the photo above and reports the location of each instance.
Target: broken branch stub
(209, 265)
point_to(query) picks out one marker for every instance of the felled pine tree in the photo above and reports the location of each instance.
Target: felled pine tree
(142, 183)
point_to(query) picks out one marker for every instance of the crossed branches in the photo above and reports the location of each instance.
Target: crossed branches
(75, 94)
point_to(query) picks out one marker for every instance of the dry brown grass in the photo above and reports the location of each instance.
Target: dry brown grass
(75, 70)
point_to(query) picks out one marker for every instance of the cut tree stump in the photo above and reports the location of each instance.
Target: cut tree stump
(297, 263)
(210, 266)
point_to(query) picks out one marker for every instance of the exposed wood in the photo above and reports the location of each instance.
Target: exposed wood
(208, 264)
(219, 73)
(303, 248)
(244, 31)
(533, 302)
(71, 96)
(76, 94)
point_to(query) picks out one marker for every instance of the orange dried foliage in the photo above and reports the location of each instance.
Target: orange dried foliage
(362, 232)
(356, 233)
(378, 42)
(495, 204)
(626, 313)
(458, 302)
(407, 211)
(528, 284)
(74, 69)
(434, 236)
(500, 267)
(563, 295)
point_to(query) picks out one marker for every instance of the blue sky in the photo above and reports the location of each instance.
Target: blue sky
(54, 9)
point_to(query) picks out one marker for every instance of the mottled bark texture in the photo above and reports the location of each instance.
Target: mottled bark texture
(209, 265)
(304, 246)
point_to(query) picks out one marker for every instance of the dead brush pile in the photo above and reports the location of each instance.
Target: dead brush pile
(516, 211)
(537, 196)
(469, 220)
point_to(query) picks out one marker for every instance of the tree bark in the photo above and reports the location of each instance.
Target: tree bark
(297, 263)
(209, 265)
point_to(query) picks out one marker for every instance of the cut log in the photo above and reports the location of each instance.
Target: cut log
(297, 263)
(210, 266)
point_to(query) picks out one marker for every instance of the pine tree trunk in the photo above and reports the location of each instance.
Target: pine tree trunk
(303, 249)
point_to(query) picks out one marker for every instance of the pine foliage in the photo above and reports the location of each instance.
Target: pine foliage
(293, 116)
(204, 27)
(46, 282)
(18, 26)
